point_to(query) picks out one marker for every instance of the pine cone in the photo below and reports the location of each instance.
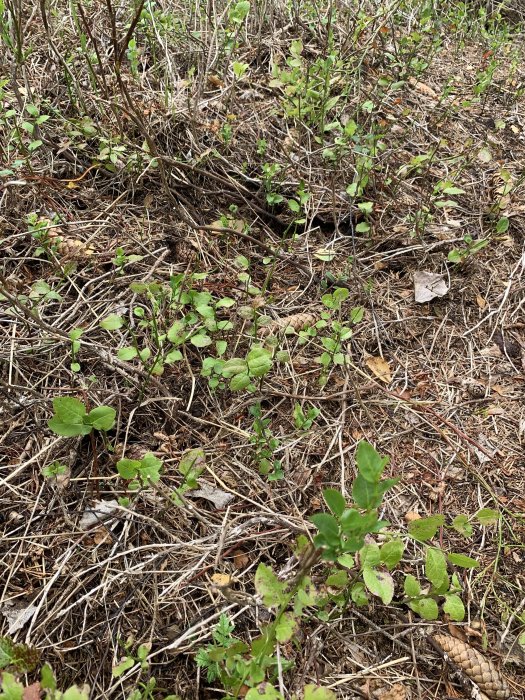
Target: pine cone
(479, 669)
(296, 321)
(74, 248)
(396, 692)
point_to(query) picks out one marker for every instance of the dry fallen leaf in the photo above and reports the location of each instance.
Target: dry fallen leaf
(396, 692)
(219, 498)
(240, 559)
(411, 516)
(17, 616)
(380, 367)
(102, 510)
(428, 286)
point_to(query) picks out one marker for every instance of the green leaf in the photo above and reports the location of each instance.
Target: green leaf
(11, 688)
(234, 366)
(346, 560)
(101, 418)
(427, 608)
(192, 462)
(411, 586)
(150, 467)
(338, 579)
(334, 499)
(315, 692)
(327, 526)
(358, 594)
(454, 607)
(127, 353)
(173, 356)
(175, 332)
(240, 382)
(369, 462)
(368, 494)
(259, 361)
(425, 528)
(461, 524)
(269, 587)
(436, 567)
(201, 340)
(487, 516)
(68, 429)
(47, 678)
(112, 322)
(285, 627)
(379, 583)
(76, 693)
(123, 666)
(68, 409)
(503, 225)
(128, 468)
(463, 561)
(369, 555)
(391, 553)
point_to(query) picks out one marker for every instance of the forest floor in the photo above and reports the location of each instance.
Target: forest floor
(183, 192)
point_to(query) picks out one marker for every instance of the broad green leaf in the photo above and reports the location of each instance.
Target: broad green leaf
(369, 555)
(269, 587)
(463, 561)
(112, 322)
(427, 608)
(338, 579)
(391, 553)
(175, 333)
(369, 462)
(327, 526)
(173, 356)
(425, 528)
(411, 586)
(454, 607)
(127, 353)
(101, 417)
(75, 693)
(259, 361)
(346, 560)
(461, 524)
(358, 594)
(264, 692)
(68, 409)
(201, 340)
(68, 429)
(240, 381)
(369, 494)
(150, 467)
(11, 688)
(192, 462)
(285, 627)
(334, 500)
(487, 516)
(436, 567)
(47, 678)
(234, 366)
(128, 468)
(379, 583)
(315, 692)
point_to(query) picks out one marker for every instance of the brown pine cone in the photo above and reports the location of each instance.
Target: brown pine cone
(474, 665)
(296, 321)
(396, 692)
(74, 248)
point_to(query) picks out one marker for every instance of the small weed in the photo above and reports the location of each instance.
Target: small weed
(265, 444)
(70, 417)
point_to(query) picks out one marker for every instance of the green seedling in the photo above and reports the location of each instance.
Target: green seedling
(265, 444)
(140, 472)
(70, 417)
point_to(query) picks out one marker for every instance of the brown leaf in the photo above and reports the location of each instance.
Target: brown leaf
(221, 580)
(240, 559)
(380, 367)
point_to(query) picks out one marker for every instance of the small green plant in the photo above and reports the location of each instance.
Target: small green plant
(75, 336)
(265, 444)
(140, 472)
(70, 417)
(191, 466)
(304, 421)
(122, 258)
(17, 657)
(51, 471)
(241, 373)
(333, 332)
(460, 255)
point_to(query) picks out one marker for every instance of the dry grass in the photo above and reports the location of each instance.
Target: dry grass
(452, 417)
